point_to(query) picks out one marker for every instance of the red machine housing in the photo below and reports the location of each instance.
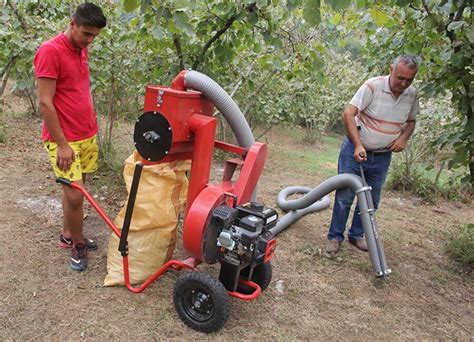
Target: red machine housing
(219, 225)
(193, 127)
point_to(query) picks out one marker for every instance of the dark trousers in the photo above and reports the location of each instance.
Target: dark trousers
(375, 171)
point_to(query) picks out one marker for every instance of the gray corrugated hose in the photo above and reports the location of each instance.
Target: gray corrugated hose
(224, 103)
(295, 212)
(316, 199)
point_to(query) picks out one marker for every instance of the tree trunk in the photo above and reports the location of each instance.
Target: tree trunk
(110, 114)
(179, 51)
(438, 174)
(6, 73)
(30, 94)
(469, 127)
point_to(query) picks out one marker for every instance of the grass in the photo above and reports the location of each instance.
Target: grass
(3, 131)
(320, 160)
(443, 277)
(421, 182)
(324, 299)
(460, 246)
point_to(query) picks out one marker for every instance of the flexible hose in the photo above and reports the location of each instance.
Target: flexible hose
(294, 215)
(224, 103)
(316, 199)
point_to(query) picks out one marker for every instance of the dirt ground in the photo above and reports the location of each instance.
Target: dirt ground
(426, 298)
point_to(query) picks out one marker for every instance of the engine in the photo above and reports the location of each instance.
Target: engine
(244, 239)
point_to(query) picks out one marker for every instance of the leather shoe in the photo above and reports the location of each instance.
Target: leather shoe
(359, 243)
(333, 246)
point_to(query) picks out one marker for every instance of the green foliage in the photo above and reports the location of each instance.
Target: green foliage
(23, 27)
(379, 17)
(460, 246)
(312, 11)
(441, 33)
(421, 169)
(338, 4)
(421, 183)
(293, 62)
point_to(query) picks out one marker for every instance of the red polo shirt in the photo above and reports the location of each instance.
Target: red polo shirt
(58, 59)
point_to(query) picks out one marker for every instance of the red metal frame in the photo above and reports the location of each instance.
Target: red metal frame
(257, 291)
(178, 82)
(230, 148)
(177, 265)
(204, 129)
(250, 172)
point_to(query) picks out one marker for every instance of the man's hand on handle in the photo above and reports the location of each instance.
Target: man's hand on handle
(360, 155)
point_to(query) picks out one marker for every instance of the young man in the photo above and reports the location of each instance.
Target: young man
(379, 120)
(69, 120)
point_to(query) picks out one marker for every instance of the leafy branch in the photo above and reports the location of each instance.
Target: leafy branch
(179, 51)
(228, 23)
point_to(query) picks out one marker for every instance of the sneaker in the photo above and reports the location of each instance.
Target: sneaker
(65, 242)
(78, 261)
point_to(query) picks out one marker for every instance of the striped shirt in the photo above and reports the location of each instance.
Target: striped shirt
(381, 115)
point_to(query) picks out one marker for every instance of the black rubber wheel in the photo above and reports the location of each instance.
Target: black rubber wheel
(201, 302)
(262, 275)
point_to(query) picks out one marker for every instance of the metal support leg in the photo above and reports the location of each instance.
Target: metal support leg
(123, 245)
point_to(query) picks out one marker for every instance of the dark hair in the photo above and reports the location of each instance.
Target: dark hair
(90, 15)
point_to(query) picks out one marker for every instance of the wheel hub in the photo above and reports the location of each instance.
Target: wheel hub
(200, 305)
(200, 300)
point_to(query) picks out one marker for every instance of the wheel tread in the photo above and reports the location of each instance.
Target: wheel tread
(215, 289)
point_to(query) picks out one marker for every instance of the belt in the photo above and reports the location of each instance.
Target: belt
(380, 151)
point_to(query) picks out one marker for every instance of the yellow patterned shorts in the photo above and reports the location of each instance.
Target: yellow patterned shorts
(86, 156)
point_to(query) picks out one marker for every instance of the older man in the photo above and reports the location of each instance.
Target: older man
(379, 120)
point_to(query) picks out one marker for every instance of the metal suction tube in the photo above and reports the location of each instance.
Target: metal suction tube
(372, 236)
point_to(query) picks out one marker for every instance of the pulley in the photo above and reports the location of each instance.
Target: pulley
(153, 136)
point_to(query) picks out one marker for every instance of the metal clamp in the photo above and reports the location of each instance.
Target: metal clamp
(232, 196)
(366, 211)
(383, 273)
(364, 188)
(159, 98)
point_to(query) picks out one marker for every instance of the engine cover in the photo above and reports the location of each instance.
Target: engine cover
(234, 233)
(238, 238)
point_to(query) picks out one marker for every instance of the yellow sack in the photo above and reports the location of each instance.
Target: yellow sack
(152, 236)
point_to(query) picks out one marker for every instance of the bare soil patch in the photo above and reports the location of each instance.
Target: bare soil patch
(426, 297)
